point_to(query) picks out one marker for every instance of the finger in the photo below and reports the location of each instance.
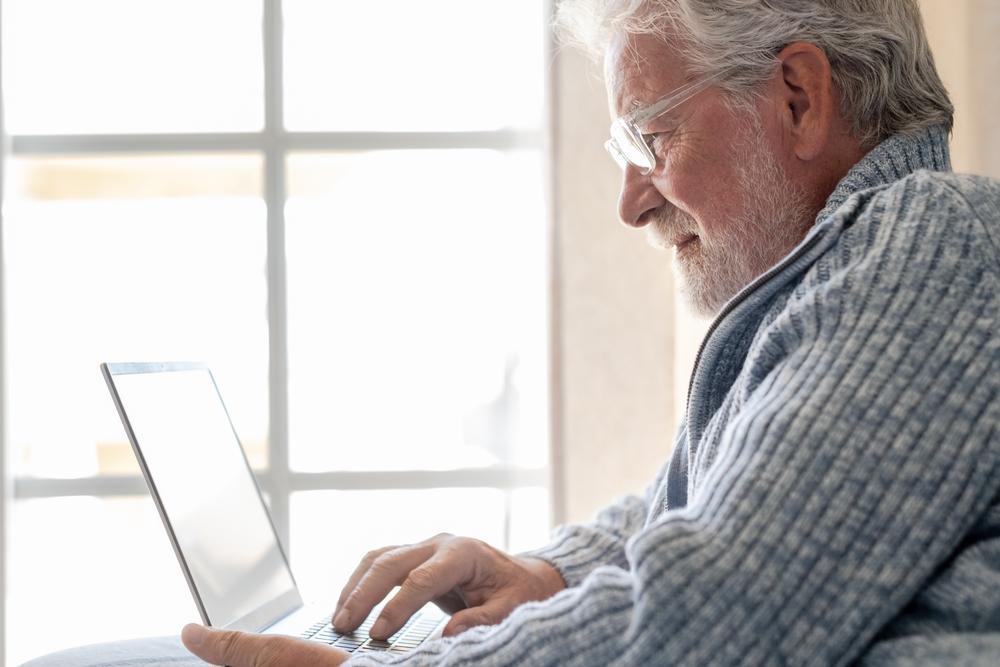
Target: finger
(436, 577)
(386, 572)
(490, 613)
(359, 572)
(241, 649)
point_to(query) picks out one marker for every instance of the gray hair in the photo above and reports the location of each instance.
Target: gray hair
(881, 63)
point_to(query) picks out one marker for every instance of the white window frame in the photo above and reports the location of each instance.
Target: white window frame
(274, 143)
(6, 487)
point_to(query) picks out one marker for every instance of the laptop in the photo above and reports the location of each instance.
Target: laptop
(215, 515)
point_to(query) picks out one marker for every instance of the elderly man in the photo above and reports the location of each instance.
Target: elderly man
(833, 492)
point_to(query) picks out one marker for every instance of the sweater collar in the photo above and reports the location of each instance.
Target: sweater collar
(895, 158)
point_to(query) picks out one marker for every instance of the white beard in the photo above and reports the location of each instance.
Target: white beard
(774, 218)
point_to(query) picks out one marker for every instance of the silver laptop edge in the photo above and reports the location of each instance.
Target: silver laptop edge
(271, 611)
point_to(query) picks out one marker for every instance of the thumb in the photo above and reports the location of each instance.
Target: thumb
(243, 649)
(490, 613)
(222, 647)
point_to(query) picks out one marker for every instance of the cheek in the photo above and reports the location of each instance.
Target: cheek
(704, 185)
(702, 169)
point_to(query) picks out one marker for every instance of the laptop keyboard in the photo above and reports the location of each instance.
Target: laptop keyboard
(404, 640)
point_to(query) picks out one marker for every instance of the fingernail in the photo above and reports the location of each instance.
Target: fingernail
(193, 634)
(378, 630)
(342, 619)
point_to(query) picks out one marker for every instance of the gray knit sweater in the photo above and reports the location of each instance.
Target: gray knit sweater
(835, 491)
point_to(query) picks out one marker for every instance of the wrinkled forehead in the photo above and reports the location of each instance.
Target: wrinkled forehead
(640, 69)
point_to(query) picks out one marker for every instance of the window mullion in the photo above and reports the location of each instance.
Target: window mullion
(277, 311)
(5, 470)
(95, 144)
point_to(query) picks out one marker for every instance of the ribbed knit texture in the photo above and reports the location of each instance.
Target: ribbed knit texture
(834, 492)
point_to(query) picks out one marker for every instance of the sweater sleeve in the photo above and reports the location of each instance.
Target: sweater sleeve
(578, 549)
(864, 450)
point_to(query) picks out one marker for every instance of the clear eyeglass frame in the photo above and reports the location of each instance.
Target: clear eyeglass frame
(628, 145)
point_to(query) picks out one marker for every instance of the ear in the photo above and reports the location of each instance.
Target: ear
(809, 105)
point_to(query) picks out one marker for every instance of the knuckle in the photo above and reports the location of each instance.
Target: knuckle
(442, 537)
(466, 543)
(371, 556)
(421, 579)
(382, 564)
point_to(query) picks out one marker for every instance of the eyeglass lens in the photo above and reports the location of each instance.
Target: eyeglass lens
(632, 147)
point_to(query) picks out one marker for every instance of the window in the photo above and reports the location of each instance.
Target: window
(343, 214)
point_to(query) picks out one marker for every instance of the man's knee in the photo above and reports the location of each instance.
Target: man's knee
(133, 652)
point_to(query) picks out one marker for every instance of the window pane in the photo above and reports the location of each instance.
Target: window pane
(332, 530)
(87, 570)
(148, 268)
(120, 66)
(404, 65)
(530, 518)
(417, 317)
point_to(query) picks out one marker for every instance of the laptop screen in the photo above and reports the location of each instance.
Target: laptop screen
(206, 490)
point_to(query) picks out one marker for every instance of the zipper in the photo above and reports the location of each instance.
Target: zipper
(740, 298)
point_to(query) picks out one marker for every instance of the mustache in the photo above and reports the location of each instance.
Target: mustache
(667, 224)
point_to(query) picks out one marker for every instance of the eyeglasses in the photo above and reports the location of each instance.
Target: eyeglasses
(628, 145)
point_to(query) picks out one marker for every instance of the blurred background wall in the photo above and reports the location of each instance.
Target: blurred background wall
(963, 36)
(614, 315)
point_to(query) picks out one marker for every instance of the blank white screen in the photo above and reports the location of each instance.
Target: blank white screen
(206, 490)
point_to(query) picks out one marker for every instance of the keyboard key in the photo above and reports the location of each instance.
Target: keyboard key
(345, 643)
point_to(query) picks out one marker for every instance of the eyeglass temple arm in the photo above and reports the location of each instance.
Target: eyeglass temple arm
(672, 100)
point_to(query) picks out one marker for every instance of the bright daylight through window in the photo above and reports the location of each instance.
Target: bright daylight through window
(345, 221)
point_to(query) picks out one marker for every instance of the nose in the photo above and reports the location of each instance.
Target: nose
(638, 196)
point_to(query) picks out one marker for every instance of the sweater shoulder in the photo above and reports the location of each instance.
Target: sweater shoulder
(981, 197)
(929, 215)
(934, 201)
(929, 234)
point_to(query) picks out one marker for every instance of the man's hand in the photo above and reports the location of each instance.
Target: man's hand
(241, 649)
(477, 584)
